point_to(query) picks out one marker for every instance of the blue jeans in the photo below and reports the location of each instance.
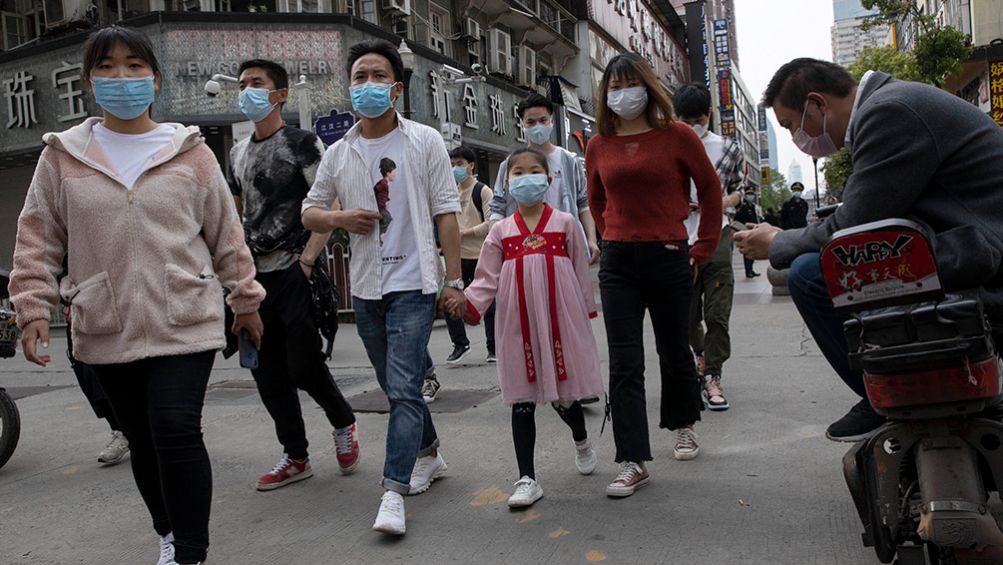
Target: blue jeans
(395, 331)
(815, 305)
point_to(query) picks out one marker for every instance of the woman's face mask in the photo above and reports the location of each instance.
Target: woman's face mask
(125, 98)
(628, 103)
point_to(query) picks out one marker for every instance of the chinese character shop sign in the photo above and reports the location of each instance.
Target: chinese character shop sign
(20, 101)
(996, 91)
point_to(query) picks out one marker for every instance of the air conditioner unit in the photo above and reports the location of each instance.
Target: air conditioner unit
(527, 66)
(61, 12)
(499, 52)
(402, 7)
(472, 30)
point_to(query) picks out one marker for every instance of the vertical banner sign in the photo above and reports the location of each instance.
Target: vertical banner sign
(996, 91)
(727, 104)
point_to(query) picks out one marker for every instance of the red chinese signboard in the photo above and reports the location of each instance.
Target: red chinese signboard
(996, 91)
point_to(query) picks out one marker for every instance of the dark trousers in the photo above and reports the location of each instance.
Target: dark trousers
(635, 277)
(457, 329)
(749, 266)
(291, 358)
(524, 431)
(158, 402)
(812, 299)
(90, 386)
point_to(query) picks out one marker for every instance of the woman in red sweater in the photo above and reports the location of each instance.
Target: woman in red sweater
(639, 169)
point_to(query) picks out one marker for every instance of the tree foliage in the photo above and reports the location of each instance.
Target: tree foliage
(774, 195)
(837, 170)
(899, 64)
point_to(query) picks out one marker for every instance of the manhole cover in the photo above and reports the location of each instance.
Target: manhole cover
(446, 402)
(19, 392)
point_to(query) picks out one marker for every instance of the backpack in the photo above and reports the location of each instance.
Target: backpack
(478, 201)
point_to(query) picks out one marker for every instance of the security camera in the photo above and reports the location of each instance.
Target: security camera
(446, 69)
(477, 68)
(213, 88)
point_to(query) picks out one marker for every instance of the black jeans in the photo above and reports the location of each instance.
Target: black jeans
(749, 266)
(158, 402)
(291, 358)
(634, 277)
(457, 330)
(90, 386)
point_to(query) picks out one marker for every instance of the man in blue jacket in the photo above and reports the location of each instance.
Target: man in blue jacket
(918, 153)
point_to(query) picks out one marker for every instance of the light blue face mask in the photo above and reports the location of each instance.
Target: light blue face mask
(460, 174)
(254, 103)
(750, 197)
(540, 134)
(529, 190)
(125, 98)
(372, 99)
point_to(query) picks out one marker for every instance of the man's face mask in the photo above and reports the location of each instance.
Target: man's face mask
(818, 146)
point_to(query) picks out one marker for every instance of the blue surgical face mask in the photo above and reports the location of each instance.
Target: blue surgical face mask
(372, 99)
(125, 98)
(539, 134)
(750, 197)
(797, 194)
(460, 174)
(529, 190)
(254, 103)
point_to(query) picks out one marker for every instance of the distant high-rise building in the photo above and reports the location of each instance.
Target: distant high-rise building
(848, 39)
(794, 174)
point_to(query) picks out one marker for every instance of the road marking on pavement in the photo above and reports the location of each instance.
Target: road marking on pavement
(595, 555)
(528, 516)
(488, 496)
(70, 470)
(559, 533)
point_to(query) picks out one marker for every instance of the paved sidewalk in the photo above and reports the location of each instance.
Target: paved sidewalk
(767, 488)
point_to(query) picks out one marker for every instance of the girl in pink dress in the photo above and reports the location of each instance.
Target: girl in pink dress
(536, 265)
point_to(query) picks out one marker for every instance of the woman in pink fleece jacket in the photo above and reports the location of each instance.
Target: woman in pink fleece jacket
(145, 219)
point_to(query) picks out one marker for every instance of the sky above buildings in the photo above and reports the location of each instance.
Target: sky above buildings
(771, 33)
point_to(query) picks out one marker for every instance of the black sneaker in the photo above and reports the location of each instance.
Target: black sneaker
(459, 352)
(429, 389)
(491, 358)
(858, 424)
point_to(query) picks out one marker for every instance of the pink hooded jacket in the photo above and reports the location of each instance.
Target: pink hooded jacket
(145, 264)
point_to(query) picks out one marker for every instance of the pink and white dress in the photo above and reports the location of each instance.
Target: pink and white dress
(541, 280)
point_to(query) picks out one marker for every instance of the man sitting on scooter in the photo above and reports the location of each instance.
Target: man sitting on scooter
(919, 153)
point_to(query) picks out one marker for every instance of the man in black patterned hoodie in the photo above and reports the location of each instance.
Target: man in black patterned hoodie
(272, 171)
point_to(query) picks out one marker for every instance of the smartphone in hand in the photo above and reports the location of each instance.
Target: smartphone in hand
(248, 354)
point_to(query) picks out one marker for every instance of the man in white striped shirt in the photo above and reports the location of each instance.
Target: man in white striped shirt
(398, 170)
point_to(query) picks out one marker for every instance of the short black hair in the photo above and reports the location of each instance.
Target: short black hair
(379, 47)
(102, 41)
(535, 101)
(387, 165)
(275, 71)
(792, 82)
(538, 155)
(465, 153)
(692, 101)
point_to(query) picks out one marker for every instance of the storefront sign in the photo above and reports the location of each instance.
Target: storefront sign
(634, 25)
(996, 91)
(722, 48)
(333, 127)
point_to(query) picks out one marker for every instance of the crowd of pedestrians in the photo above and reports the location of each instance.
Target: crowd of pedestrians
(133, 226)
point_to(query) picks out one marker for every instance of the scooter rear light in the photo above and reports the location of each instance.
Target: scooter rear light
(973, 380)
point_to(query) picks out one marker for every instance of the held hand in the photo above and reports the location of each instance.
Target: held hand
(593, 253)
(250, 323)
(755, 242)
(37, 331)
(450, 296)
(359, 221)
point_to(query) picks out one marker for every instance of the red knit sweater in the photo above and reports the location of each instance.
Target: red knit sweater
(639, 187)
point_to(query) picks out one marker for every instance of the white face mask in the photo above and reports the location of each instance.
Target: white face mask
(700, 129)
(628, 103)
(818, 146)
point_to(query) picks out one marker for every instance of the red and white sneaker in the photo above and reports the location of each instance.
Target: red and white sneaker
(286, 471)
(346, 444)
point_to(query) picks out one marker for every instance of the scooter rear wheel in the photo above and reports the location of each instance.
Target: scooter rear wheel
(10, 427)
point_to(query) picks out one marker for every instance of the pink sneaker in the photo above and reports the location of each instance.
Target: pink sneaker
(286, 471)
(346, 444)
(713, 394)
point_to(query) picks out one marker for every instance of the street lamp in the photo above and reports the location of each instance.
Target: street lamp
(408, 58)
(815, 162)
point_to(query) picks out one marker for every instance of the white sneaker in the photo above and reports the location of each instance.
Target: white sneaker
(166, 550)
(115, 451)
(585, 457)
(426, 470)
(390, 520)
(686, 444)
(527, 491)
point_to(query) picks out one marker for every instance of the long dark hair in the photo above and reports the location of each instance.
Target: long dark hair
(102, 41)
(625, 67)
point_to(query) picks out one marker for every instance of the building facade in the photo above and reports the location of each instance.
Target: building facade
(848, 36)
